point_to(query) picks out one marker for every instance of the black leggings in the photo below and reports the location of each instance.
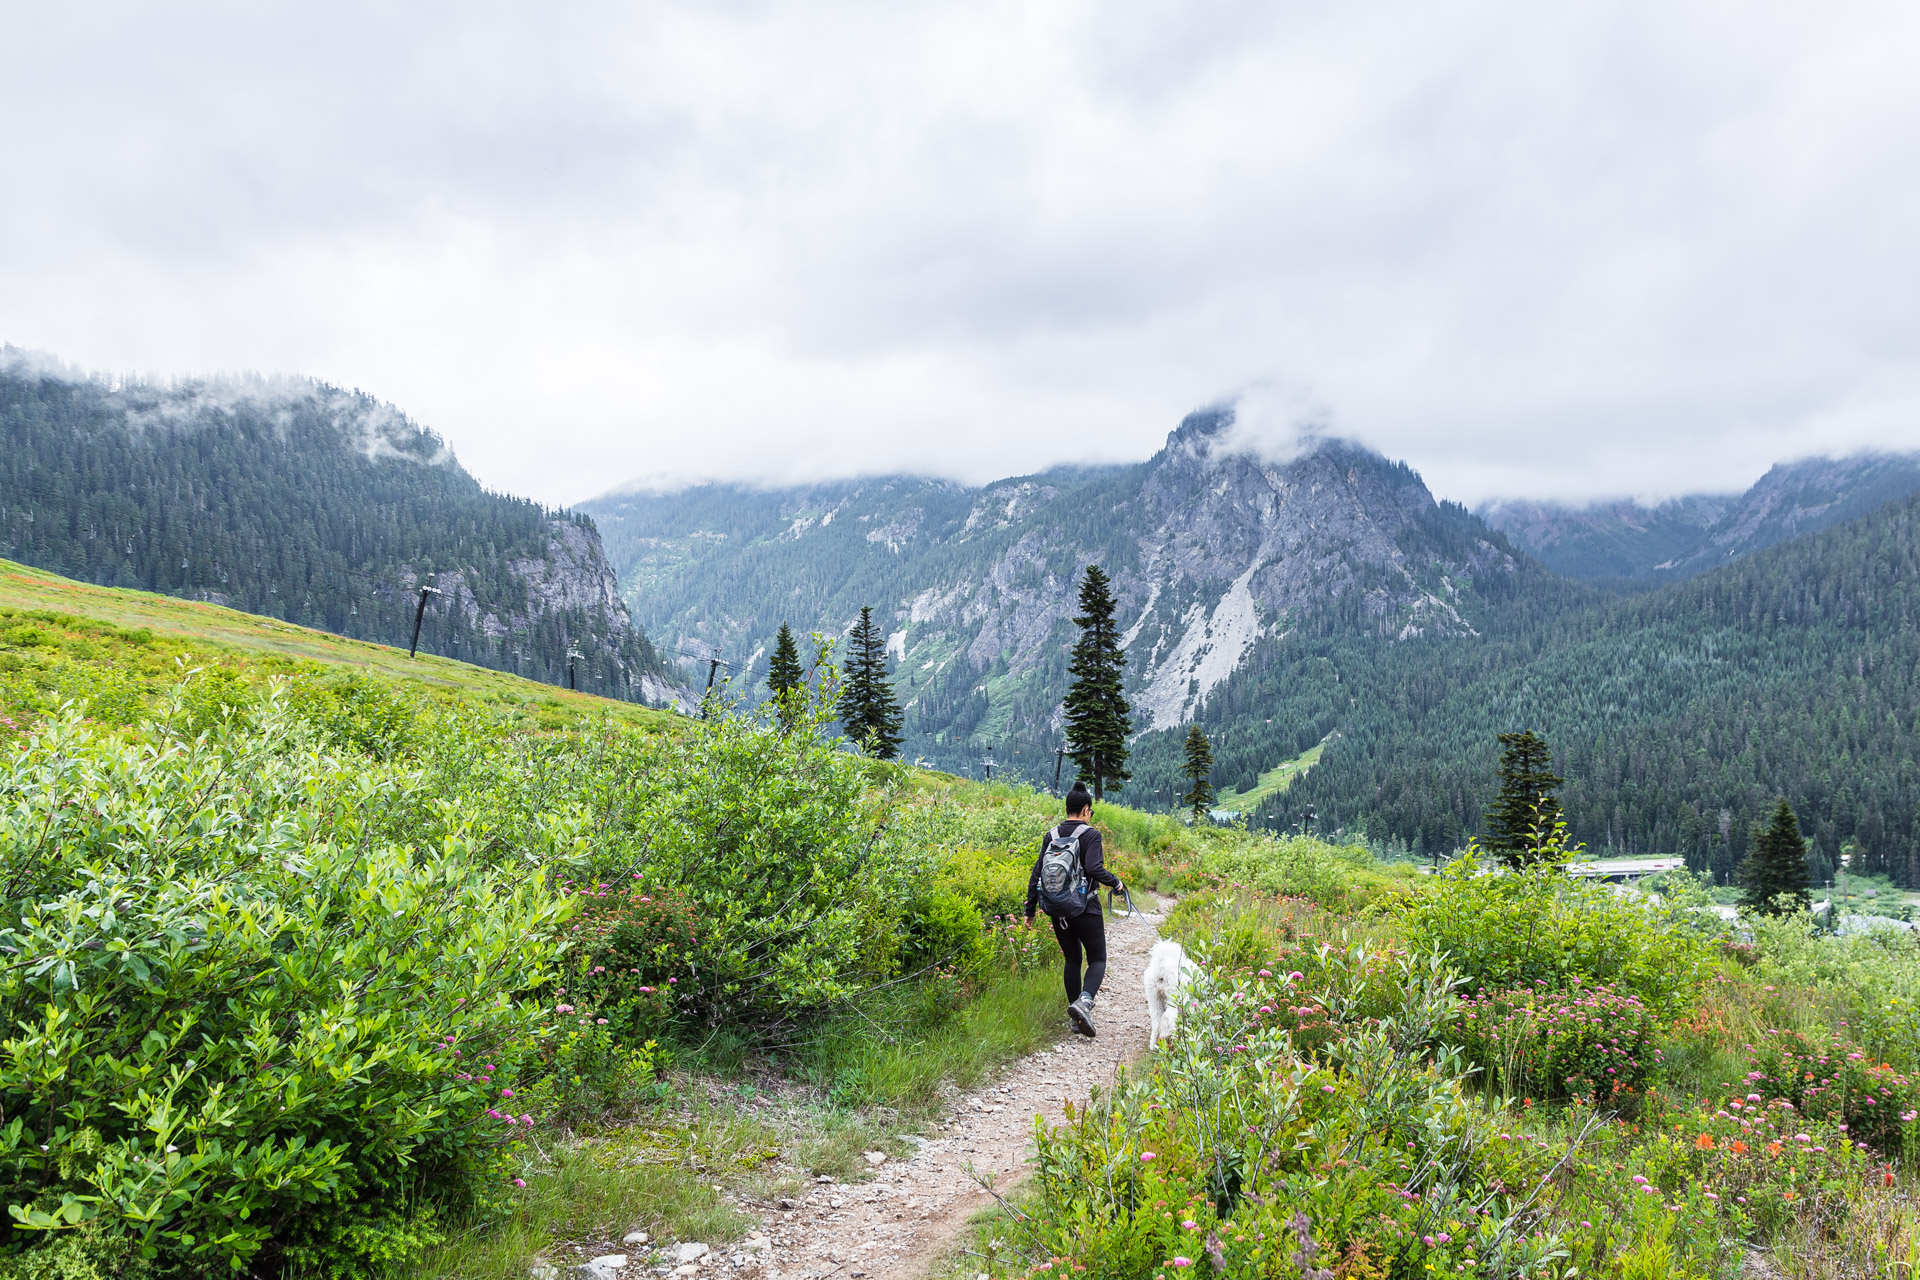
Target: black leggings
(1088, 930)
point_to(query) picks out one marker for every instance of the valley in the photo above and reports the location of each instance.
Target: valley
(1279, 602)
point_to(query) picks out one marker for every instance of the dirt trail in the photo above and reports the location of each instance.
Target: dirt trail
(896, 1226)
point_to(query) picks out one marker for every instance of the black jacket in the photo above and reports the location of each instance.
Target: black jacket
(1092, 861)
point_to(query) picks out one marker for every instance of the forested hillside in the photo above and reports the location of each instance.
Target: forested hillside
(1677, 717)
(1627, 540)
(304, 502)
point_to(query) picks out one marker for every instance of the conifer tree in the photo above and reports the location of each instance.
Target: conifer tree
(784, 676)
(1520, 825)
(869, 711)
(1198, 769)
(1096, 708)
(1777, 867)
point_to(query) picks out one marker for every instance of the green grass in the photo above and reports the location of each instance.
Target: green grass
(114, 652)
(1273, 781)
(665, 1173)
(593, 1191)
(866, 1065)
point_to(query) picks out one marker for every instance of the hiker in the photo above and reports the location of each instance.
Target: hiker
(1064, 881)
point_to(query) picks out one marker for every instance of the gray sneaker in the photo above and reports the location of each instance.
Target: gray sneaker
(1081, 1013)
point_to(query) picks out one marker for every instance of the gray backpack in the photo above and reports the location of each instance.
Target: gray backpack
(1063, 880)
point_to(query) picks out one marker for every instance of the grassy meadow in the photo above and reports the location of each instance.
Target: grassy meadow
(321, 962)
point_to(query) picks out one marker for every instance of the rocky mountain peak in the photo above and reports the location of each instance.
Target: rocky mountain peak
(1198, 432)
(1213, 546)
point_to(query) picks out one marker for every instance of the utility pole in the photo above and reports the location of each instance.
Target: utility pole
(572, 654)
(419, 616)
(714, 663)
(989, 764)
(1059, 754)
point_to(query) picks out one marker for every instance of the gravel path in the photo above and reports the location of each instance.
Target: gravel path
(899, 1224)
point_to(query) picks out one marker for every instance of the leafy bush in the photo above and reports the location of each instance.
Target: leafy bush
(1506, 930)
(1016, 947)
(1233, 1149)
(632, 950)
(1240, 929)
(1868, 984)
(1585, 1042)
(357, 713)
(996, 884)
(945, 929)
(1338, 877)
(1830, 1078)
(236, 1014)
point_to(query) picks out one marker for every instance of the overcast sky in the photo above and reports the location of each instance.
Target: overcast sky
(1558, 249)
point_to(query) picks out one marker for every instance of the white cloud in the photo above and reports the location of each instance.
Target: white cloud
(1565, 249)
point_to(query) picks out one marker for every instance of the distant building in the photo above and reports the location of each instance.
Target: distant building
(1624, 870)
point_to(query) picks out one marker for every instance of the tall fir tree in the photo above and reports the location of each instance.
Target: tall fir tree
(1096, 707)
(1198, 768)
(1520, 826)
(1777, 866)
(868, 708)
(784, 676)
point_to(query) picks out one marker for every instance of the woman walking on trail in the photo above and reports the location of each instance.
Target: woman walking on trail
(1065, 875)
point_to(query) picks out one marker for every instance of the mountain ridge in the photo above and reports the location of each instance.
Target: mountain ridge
(1208, 546)
(1628, 540)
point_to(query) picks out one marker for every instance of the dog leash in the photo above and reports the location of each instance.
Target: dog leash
(1131, 909)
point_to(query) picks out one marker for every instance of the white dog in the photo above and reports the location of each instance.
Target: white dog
(1167, 972)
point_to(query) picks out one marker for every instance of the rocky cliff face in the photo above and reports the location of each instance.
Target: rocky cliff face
(1210, 550)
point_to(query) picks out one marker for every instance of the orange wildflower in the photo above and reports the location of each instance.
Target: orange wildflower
(1739, 1147)
(1704, 1142)
(1773, 1148)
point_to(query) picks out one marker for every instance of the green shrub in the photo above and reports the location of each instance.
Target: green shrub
(1507, 929)
(1828, 1077)
(1017, 947)
(797, 871)
(86, 1252)
(1338, 877)
(632, 950)
(994, 883)
(1229, 1148)
(1868, 982)
(1584, 1042)
(945, 929)
(586, 1073)
(356, 713)
(236, 1015)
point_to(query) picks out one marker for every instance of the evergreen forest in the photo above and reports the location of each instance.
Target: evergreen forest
(310, 504)
(1678, 717)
